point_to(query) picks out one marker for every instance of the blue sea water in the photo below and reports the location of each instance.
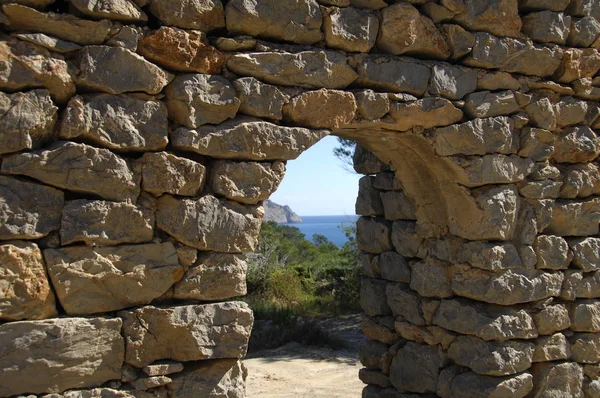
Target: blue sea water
(330, 226)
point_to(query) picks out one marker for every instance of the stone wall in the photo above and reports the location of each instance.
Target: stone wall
(139, 138)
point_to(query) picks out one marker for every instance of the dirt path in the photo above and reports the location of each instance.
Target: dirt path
(295, 370)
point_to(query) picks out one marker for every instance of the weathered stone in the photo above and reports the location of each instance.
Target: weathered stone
(374, 377)
(247, 139)
(431, 278)
(406, 239)
(369, 265)
(576, 144)
(584, 32)
(579, 285)
(557, 380)
(237, 43)
(430, 335)
(514, 56)
(99, 222)
(163, 172)
(204, 15)
(26, 293)
(474, 171)
(394, 267)
(373, 235)
(392, 74)
(210, 378)
(416, 368)
(452, 82)
(500, 205)
(552, 5)
(321, 109)
(208, 223)
(127, 37)
(116, 70)
(366, 162)
(427, 113)
(484, 321)
(23, 213)
(585, 316)
(551, 348)
(163, 368)
(376, 331)
(373, 299)
(486, 104)
(460, 42)
(586, 253)
(375, 355)
(187, 333)
(288, 20)
(26, 120)
(537, 144)
(575, 218)
(570, 111)
(405, 303)
(490, 256)
(500, 18)
(312, 69)
(63, 26)
(94, 393)
(259, 99)
(552, 252)
(582, 8)
(547, 27)
(368, 202)
(145, 383)
(577, 64)
(350, 29)
(58, 354)
(117, 10)
(181, 50)
(585, 347)
(405, 31)
(397, 206)
(26, 65)
(93, 280)
(91, 170)
(476, 137)
(477, 386)
(37, 4)
(497, 81)
(437, 13)
(541, 113)
(372, 105)
(116, 122)
(552, 318)
(48, 42)
(215, 276)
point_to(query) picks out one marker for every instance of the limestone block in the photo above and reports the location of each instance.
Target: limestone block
(54, 355)
(246, 182)
(166, 173)
(287, 20)
(500, 18)
(394, 267)
(247, 138)
(537, 144)
(366, 162)
(500, 205)
(49, 42)
(406, 239)
(570, 218)
(586, 253)
(476, 137)
(26, 293)
(405, 302)
(181, 50)
(372, 105)
(99, 222)
(373, 299)
(570, 111)
(63, 26)
(584, 32)
(259, 99)
(497, 81)
(576, 144)
(225, 377)
(91, 170)
(197, 99)
(584, 8)
(186, 333)
(485, 321)
(350, 29)
(163, 368)
(474, 171)
(405, 31)
(557, 379)
(577, 64)
(513, 56)
(23, 215)
(237, 43)
(204, 15)
(311, 69)
(491, 358)
(427, 113)
(580, 181)
(415, 368)
(551, 348)
(376, 331)
(541, 113)
(578, 285)
(397, 206)
(547, 27)
(374, 377)
(585, 316)
(484, 104)
(26, 120)
(432, 278)
(585, 347)
(321, 109)
(540, 189)
(94, 280)
(117, 122)
(472, 384)
(214, 276)
(29, 66)
(208, 223)
(490, 256)
(509, 288)
(368, 202)
(552, 252)
(127, 37)
(460, 42)
(551, 319)
(373, 235)
(117, 10)
(375, 355)
(392, 74)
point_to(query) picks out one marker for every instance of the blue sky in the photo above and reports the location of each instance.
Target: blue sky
(315, 184)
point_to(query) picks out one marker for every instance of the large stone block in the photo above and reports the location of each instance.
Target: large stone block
(392, 74)
(373, 300)
(432, 278)
(26, 292)
(405, 302)
(163, 172)
(472, 385)
(373, 235)
(188, 333)
(586, 253)
(547, 27)
(484, 104)
(585, 316)
(585, 347)
(452, 82)
(54, 355)
(204, 15)
(475, 171)
(490, 256)
(118, 10)
(580, 181)
(246, 182)
(552, 318)
(321, 109)
(576, 145)
(499, 17)
(551, 348)
(426, 113)
(350, 29)
(92, 280)
(570, 218)
(416, 368)
(259, 99)
(557, 379)
(212, 378)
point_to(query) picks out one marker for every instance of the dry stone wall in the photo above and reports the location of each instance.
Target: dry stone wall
(139, 139)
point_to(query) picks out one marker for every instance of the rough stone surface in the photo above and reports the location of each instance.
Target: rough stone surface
(575, 218)
(321, 109)
(586, 253)
(484, 104)
(258, 99)
(350, 29)
(83, 353)
(576, 144)
(547, 27)
(246, 182)
(204, 15)
(425, 113)
(551, 348)
(374, 235)
(415, 368)
(166, 173)
(476, 137)
(500, 18)
(186, 333)
(373, 297)
(557, 379)
(392, 74)
(474, 385)
(212, 378)
(452, 82)
(118, 10)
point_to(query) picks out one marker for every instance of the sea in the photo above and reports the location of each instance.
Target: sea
(330, 226)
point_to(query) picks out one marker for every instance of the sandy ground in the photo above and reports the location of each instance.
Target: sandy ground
(300, 371)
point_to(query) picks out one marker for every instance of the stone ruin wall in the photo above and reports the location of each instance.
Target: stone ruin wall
(138, 140)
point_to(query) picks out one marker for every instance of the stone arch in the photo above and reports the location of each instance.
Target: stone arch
(134, 162)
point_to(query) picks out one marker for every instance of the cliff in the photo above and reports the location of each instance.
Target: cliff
(279, 213)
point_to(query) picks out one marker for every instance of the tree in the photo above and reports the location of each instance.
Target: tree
(345, 152)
